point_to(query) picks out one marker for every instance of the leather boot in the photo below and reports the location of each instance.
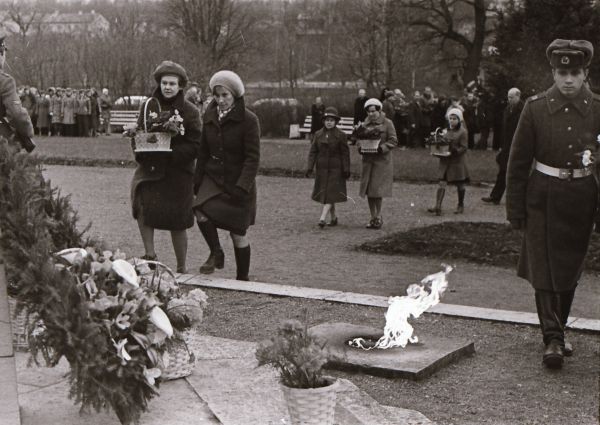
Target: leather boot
(565, 300)
(242, 261)
(439, 197)
(552, 328)
(216, 259)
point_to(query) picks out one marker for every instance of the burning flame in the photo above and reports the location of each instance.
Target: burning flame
(397, 331)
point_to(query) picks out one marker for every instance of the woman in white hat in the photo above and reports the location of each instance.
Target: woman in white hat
(453, 168)
(376, 139)
(225, 178)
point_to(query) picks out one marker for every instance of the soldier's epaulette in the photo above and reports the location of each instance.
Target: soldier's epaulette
(538, 96)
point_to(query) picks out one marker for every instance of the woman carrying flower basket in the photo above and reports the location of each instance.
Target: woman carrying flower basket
(226, 170)
(377, 137)
(453, 167)
(162, 186)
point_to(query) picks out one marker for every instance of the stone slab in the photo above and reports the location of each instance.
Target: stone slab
(240, 393)
(9, 403)
(495, 315)
(415, 361)
(581, 324)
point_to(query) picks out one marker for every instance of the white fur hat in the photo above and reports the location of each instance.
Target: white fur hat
(455, 111)
(228, 79)
(374, 102)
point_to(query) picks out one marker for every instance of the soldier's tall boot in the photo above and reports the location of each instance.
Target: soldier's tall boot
(552, 329)
(242, 262)
(439, 197)
(216, 259)
(461, 201)
(564, 302)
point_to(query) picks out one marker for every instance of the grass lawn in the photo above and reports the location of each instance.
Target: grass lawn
(278, 157)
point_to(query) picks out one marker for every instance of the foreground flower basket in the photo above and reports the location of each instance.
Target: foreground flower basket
(177, 361)
(312, 406)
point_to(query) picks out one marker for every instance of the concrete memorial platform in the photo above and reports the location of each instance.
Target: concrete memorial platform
(415, 361)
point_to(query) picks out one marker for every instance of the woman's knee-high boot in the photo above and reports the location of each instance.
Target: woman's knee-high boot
(242, 261)
(461, 201)
(216, 259)
(439, 197)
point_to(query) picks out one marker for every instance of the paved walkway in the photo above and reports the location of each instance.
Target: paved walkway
(226, 387)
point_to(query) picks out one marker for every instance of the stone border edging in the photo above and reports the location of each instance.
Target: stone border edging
(468, 312)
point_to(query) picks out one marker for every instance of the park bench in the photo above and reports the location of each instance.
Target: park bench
(121, 118)
(346, 124)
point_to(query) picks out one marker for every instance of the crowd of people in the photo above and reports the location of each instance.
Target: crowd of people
(68, 112)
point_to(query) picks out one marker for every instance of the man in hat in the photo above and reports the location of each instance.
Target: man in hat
(14, 119)
(105, 102)
(555, 203)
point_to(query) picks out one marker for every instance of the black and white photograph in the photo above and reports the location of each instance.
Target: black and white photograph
(300, 212)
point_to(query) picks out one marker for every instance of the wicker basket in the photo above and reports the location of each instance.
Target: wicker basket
(177, 360)
(312, 406)
(155, 141)
(21, 324)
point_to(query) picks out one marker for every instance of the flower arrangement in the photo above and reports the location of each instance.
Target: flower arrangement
(298, 355)
(164, 121)
(438, 143)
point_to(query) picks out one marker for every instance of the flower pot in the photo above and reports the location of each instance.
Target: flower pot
(312, 406)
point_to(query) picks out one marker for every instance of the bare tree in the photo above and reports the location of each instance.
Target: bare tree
(216, 28)
(441, 21)
(24, 16)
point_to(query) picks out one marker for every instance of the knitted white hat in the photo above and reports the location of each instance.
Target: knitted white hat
(374, 102)
(455, 111)
(228, 79)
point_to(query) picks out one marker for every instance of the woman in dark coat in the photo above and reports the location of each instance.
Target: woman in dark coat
(162, 186)
(329, 152)
(226, 171)
(453, 168)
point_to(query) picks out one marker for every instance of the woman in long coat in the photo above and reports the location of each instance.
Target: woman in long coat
(43, 112)
(453, 168)
(68, 107)
(377, 167)
(162, 185)
(329, 152)
(226, 172)
(56, 113)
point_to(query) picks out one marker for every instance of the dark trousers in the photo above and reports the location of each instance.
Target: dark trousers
(56, 128)
(500, 185)
(83, 129)
(483, 138)
(553, 310)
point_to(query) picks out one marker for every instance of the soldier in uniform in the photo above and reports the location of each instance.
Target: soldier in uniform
(14, 119)
(555, 203)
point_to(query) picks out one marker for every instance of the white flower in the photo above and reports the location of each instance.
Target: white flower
(151, 374)
(121, 352)
(586, 158)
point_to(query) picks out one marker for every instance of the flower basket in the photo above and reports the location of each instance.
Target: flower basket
(369, 145)
(177, 361)
(21, 325)
(152, 141)
(312, 406)
(438, 144)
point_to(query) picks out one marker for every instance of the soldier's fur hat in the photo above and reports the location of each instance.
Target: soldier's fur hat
(570, 54)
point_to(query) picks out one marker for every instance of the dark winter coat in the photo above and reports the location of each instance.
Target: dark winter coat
(453, 168)
(377, 174)
(316, 113)
(360, 113)
(229, 157)
(329, 152)
(510, 119)
(43, 112)
(559, 213)
(162, 185)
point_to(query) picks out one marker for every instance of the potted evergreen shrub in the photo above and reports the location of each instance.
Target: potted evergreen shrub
(299, 358)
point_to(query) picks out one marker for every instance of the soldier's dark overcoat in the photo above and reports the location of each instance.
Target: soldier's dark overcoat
(559, 214)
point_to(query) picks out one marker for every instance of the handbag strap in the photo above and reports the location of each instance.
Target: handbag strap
(146, 111)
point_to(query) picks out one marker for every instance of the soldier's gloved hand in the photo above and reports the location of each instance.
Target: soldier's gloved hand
(360, 152)
(379, 150)
(307, 173)
(517, 223)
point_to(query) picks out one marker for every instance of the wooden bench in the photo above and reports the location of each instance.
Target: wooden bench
(121, 118)
(346, 124)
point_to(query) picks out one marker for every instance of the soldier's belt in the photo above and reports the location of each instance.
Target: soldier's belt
(563, 173)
